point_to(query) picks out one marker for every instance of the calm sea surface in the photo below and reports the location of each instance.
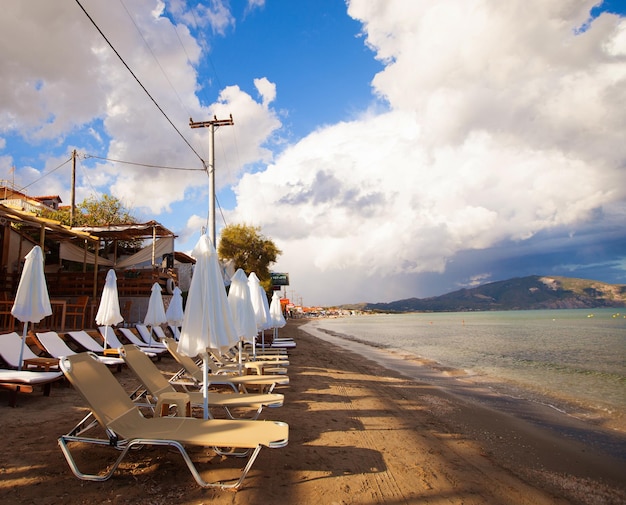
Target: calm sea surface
(566, 357)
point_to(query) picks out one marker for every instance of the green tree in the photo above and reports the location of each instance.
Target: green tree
(93, 211)
(250, 251)
(104, 211)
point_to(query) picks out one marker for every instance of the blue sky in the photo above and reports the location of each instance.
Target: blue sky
(391, 149)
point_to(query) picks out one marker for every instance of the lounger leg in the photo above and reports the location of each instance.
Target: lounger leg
(65, 440)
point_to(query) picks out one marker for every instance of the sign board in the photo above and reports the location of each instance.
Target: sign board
(279, 279)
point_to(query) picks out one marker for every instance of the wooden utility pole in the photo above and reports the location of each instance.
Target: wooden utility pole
(212, 125)
(73, 192)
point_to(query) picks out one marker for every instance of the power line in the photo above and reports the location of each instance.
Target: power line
(154, 57)
(145, 164)
(47, 174)
(139, 82)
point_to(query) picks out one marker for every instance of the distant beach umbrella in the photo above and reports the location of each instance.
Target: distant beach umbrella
(155, 315)
(32, 302)
(276, 314)
(109, 313)
(242, 311)
(174, 312)
(207, 321)
(260, 305)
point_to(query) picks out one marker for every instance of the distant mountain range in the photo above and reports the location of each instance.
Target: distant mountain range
(524, 293)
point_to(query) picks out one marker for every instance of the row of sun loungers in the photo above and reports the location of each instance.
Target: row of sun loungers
(123, 417)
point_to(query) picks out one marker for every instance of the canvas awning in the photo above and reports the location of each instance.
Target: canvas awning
(48, 228)
(130, 231)
(136, 231)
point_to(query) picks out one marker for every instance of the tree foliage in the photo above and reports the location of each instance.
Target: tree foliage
(250, 251)
(93, 211)
(104, 211)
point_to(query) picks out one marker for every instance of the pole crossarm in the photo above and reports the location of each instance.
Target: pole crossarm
(212, 122)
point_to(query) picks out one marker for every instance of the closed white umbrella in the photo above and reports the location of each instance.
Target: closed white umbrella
(174, 312)
(109, 313)
(32, 302)
(259, 303)
(276, 312)
(155, 315)
(207, 321)
(242, 311)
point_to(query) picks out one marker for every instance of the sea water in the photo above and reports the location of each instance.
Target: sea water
(568, 358)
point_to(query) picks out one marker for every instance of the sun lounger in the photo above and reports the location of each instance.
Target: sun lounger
(56, 347)
(157, 347)
(160, 334)
(86, 341)
(126, 427)
(10, 345)
(175, 331)
(265, 383)
(146, 338)
(259, 367)
(156, 384)
(23, 382)
(114, 342)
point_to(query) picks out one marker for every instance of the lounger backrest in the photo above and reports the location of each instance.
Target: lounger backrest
(185, 361)
(53, 344)
(175, 331)
(96, 384)
(131, 337)
(160, 334)
(10, 345)
(86, 340)
(148, 373)
(111, 338)
(144, 334)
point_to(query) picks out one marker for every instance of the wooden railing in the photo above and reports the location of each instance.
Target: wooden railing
(68, 286)
(73, 284)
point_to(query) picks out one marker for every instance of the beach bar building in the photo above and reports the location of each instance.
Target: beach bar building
(75, 268)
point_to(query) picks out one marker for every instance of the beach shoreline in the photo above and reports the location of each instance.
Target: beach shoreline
(603, 430)
(359, 433)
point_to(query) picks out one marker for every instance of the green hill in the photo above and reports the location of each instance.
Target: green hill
(523, 293)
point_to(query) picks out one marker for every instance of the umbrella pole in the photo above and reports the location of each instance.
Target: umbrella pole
(205, 386)
(106, 332)
(240, 355)
(19, 365)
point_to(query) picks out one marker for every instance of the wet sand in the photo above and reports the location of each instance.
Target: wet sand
(360, 433)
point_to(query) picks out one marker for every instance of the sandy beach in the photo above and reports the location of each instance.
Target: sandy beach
(360, 433)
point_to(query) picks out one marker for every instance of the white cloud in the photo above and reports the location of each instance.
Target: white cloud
(503, 123)
(85, 84)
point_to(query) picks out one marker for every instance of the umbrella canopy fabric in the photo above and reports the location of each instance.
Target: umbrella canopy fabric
(155, 315)
(241, 306)
(259, 303)
(207, 321)
(109, 309)
(276, 312)
(174, 313)
(32, 302)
